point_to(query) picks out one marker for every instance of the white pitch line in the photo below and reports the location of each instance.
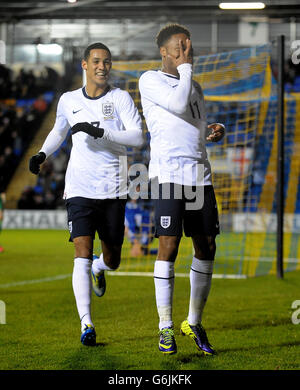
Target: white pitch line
(110, 273)
(33, 281)
(180, 275)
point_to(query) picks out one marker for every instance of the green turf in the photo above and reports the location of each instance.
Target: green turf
(248, 321)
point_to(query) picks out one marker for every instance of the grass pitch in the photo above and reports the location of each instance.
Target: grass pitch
(249, 322)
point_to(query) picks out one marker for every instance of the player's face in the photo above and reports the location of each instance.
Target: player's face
(97, 67)
(171, 52)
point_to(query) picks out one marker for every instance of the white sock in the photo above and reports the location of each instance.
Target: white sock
(82, 287)
(200, 282)
(99, 265)
(164, 287)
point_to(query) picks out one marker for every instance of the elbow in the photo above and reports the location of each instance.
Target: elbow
(139, 142)
(178, 109)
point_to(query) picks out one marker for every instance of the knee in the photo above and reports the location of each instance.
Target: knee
(211, 248)
(112, 260)
(168, 249)
(207, 250)
(83, 247)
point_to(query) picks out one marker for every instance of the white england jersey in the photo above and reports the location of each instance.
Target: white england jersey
(97, 168)
(176, 120)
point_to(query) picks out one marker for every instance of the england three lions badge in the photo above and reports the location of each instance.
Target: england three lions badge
(108, 110)
(165, 221)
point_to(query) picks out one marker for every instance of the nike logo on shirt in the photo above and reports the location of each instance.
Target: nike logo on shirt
(74, 112)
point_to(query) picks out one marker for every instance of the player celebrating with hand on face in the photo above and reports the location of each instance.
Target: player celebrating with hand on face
(173, 106)
(103, 121)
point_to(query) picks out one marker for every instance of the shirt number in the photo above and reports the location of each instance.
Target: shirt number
(195, 111)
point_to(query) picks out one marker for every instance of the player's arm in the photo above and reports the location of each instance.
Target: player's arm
(215, 131)
(176, 100)
(53, 141)
(132, 136)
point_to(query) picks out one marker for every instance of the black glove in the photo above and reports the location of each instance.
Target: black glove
(96, 132)
(36, 161)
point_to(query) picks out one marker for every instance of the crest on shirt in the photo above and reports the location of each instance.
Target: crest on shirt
(107, 109)
(165, 221)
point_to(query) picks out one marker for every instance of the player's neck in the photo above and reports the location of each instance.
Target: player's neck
(173, 72)
(94, 90)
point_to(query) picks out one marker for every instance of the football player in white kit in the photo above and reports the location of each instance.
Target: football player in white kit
(103, 121)
(173, 106)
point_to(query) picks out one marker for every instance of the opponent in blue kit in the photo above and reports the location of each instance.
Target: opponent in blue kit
(139, 229)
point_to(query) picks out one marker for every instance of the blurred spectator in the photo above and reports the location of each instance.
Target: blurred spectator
(38, 198)
(2, 202)
(49, 200)
(5, 82)
(48, 192)
(24, 100)
(40, 104)
(25, 84)
(27, 199)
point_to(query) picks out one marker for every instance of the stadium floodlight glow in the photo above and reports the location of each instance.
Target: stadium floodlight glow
(50, 49)
(251, 5)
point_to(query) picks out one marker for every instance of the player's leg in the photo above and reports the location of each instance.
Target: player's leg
(111, 232)
(82, 286)
(164, 278)
(200, 282)
(197, 224)
(203, 227)
(81, 228)
(168, 228)
(109, 260)
(201, 275)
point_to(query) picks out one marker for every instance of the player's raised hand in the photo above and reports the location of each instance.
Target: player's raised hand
(217, 132)
(185, 52)
(96, 132)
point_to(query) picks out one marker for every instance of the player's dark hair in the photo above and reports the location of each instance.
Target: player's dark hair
(170, 29)
(97, 45)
